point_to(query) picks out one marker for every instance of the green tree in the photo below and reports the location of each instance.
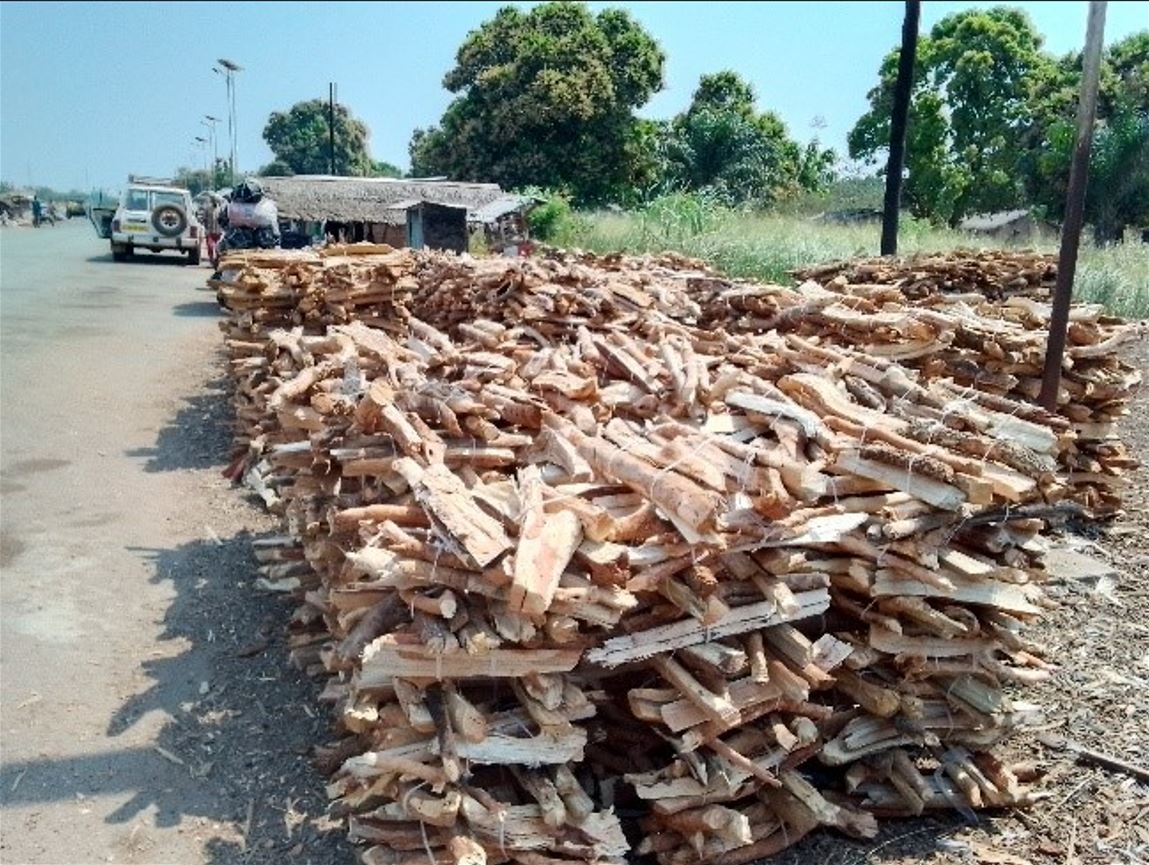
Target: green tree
(1124, 86)
(194, 180)
(300, 139)
(1117, 194)
(380, 168)
(1118, 190)
(546, 97)
(970, 113)
(276, 168)
(723, 145)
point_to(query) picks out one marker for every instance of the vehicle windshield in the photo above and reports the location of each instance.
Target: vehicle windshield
(162, 198)
(136, 199)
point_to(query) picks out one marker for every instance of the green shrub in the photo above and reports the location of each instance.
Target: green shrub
(550, 221)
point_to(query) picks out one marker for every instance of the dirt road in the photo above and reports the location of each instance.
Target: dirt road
(148, 712)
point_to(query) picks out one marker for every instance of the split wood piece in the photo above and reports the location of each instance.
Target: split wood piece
(689, 632)
(558, 450)
(715, 706)
(745, 694)
(509, 747)
(546, 544)
(543, 790)
(1005, 482)
(688, 506)
(579, 806)
(520, 827)
(940, 495)
(465, 526)
(392, 571)
(671, 456)
(811, 424)
(410, 516)
(980, 591)
(384, 659)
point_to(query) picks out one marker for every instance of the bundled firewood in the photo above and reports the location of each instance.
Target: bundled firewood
(995, 273)
(975, 329)
(968, 350)
(516, 571)
(592, 568)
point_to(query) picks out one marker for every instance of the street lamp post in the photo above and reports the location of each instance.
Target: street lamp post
(228, 72)
(210, 123)
(201, 143)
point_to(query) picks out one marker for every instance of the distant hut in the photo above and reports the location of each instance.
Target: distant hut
(1009, 226)
(504, 222)
(354, 209)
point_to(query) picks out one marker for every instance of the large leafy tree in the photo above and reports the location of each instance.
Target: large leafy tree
(722, 144)
(1118, 190)
(969, 114)
(1117, 194)
(546, 97)
(300, 140)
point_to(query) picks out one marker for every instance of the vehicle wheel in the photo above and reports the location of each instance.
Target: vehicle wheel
(169, 220)
(193, 256)
(121, 252)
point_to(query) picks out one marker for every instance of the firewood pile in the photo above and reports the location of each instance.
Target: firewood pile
(588, 578)
(994, 273)
(976, 325)
(943, 317)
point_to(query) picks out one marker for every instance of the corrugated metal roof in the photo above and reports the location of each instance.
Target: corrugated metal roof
(501, 206)
(990, 221)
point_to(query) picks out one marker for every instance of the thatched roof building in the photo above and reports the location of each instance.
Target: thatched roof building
(319, 198)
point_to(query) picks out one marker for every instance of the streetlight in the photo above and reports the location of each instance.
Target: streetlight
(201, 143)
(228, 72)
(210, 123)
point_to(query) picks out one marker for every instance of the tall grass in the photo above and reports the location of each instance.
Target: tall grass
(767, 246)
(1117, 276)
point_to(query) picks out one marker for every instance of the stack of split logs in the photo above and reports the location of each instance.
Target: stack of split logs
(604, 556)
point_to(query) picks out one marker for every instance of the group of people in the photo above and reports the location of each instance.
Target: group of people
(40, 214)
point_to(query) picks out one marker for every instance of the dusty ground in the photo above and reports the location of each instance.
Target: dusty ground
(148, 712)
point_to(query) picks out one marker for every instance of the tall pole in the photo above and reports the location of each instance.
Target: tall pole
(201, 143)
(231, 122)
(235, 127)
(902, 89)
(1074, 206)
(230, 68)
(331, 125)
(210, 123)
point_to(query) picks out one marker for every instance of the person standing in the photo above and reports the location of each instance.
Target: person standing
(37, 211)
(211, 226)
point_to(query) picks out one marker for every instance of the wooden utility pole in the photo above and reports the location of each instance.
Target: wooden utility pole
(902, 88)
(1074, 206)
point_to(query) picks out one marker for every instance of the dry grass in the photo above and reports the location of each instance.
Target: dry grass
(768, 246)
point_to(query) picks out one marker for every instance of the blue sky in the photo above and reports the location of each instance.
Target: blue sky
(92, 91)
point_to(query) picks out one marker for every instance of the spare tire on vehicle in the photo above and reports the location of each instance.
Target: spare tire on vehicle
(169, 220)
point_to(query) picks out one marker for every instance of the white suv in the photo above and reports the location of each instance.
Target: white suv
(157, 218)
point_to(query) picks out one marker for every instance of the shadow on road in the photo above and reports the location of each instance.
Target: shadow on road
(198, 437)
(145, 259)
(240, 724)
(198, 308)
